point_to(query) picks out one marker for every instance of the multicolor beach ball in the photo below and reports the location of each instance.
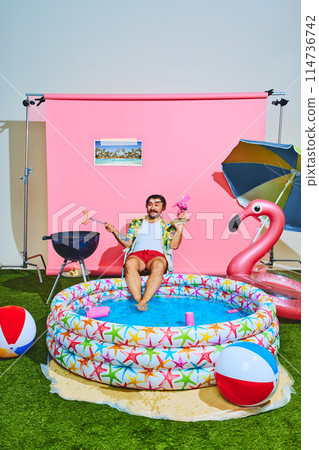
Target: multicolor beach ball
(246, 374)
(17, 331)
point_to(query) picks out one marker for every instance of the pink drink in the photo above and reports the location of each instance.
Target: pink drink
(189, 319)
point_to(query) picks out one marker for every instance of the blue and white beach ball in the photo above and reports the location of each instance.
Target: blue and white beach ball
(246, 374)
(17, 331)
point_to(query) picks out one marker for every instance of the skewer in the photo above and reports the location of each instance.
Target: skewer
(99, 221)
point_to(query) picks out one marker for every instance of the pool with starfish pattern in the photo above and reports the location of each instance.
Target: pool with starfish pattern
(150, 354)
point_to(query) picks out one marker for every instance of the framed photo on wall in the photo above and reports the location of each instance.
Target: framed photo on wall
(117, 152)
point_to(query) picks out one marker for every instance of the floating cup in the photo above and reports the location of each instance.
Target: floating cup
(189, 319)
(88, 305)
(97, 311)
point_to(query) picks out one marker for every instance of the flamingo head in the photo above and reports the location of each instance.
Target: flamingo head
(258, 208)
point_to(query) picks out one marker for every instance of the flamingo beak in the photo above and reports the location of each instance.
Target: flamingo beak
(234, 223)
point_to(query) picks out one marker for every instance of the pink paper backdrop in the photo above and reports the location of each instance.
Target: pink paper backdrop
(185, 138)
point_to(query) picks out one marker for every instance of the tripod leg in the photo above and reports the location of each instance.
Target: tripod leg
(39, 273)
(57, 279)
(35, 256)
(83, 270)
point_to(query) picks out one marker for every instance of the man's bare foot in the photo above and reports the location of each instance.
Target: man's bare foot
(141, 306)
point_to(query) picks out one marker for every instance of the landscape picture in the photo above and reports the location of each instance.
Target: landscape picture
(118, 152)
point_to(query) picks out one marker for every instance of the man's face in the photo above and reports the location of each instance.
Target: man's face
(154, 208)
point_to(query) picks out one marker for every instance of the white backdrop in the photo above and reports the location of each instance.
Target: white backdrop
(142, 46)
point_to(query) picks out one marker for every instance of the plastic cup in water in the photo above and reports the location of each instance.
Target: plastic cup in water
(189, 319)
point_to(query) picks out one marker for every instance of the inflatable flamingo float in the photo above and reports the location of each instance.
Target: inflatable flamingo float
(285, 291)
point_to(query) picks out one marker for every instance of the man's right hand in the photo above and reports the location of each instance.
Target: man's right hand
(123, 240)
(109, 227)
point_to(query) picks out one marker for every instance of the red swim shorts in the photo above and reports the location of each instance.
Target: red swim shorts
(147, 255)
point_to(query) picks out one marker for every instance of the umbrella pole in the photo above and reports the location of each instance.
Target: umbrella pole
(276, 203)
(271, 251)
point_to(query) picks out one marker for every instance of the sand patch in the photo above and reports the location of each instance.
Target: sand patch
(185, 406)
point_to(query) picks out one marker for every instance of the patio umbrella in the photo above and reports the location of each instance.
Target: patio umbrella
(268, 171)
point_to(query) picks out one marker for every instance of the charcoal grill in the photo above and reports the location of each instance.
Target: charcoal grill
(73, 246)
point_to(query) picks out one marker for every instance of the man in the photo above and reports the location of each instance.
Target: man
(151, 241)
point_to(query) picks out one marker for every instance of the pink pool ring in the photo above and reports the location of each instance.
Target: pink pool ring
(288, 306)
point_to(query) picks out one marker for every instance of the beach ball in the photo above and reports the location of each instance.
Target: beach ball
(17, 331)
(246, 373)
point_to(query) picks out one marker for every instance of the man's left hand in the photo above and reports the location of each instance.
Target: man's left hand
(181, 215)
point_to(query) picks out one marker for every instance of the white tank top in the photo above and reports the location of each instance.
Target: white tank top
(149, 237)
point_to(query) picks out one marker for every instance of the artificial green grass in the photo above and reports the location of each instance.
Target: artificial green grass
(32, 418)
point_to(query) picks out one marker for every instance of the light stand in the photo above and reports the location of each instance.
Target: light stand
(282, 102)
(25, 178)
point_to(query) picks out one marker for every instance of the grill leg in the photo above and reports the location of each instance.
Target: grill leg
(83, 270)
(57, 279)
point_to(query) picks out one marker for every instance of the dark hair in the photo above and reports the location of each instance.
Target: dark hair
(162, 199)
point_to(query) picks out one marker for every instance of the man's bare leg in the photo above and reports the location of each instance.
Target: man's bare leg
(133, 266)
(157, 266)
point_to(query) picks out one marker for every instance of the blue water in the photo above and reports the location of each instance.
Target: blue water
(168, 312)
(118, 162)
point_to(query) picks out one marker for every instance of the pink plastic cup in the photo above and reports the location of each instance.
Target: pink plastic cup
(189, 319)
(88, 305)
(97, 311)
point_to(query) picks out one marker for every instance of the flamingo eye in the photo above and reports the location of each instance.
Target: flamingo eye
(257, 208)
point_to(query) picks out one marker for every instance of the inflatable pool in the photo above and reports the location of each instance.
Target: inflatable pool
(154, 356)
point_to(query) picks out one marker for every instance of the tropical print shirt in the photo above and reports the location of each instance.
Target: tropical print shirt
(168, 231)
